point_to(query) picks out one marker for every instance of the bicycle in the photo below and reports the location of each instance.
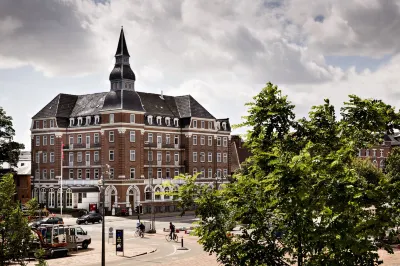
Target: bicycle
(174, 238)
(139, 233)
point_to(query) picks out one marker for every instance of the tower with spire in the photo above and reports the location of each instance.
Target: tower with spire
(122, 76)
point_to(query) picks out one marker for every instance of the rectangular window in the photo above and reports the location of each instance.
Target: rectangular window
(209, 140)
(202, 124)
(374, 152)
(51, 171)
(194, 156)
(210, 125)
(150, 156)
(176, 140)
(44, 173)
(51, 123)
(176, 157)
(71, 139)
(44, 157)
(150, 119)
(176, 172)
(202, 157)
(167, 139)
(44, 123)
(150, 137)
(159, 139)
(210, 157)
(167, 157)
(132, 136)
(194, 123)
(194, 140)
(132, 155)
(37, 157)
(111, 155)
(37, 140)
(44, 140)
(87, 157)
(225, 158)
(51, 139)
(96, 138)
(203, 140)
(381, 153)
(132, 173)
(225, 172)
(203, 172)
(158, 120)
(79, 173)
(79, 157)
(111, 173)
(167, 173)
(71, 174)
(159, 156)
(87, 174)
(96, 173)
(79, 140)
(79, 197)
(37, 124)
(159, 173)
(71, 157)
(209, 172)
(87, 139)
(225, 142)
(52, 157)
(218, 172)
(367, 153)
(218, 141)
(132, 118)
(96, 156)
(111, 118)
(218, 157)
(111, 136)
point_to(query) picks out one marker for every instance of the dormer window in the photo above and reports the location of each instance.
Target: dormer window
(158, 120)
(132, 118)
(150, 119)
(168, 121)
(88, 120)
(51, 123)
(36, 124)
(218, 125)
(79, 121)
(71, 122)
(224, 125)
(97, 119)
(176, 122)
(210, 125)
(194, 123)
(44, 123)
(111, 118)
(203, 124)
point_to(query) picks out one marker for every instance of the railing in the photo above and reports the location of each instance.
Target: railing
(169, 146)
(96, 145)
(78, 146)
(176, 146)
(96, 163)
(159, 145)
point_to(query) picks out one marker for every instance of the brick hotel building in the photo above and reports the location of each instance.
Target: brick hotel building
(138, 134)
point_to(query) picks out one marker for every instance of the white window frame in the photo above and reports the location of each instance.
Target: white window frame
(96, 174)
(194, 139)
(71, 157)
(52, 157)
(96, 138)
(159, 120)
(96, 156)
(219, 157)
(51, 140)
(37, 141)
(51, 123)
(210, 172)
(167, 139)
(71, 139)
(210, 157)
(167, 157)
(79, 139)
(132, 136)
(44, 140)
(111, 136)
(150, 137)
(87, 173)
(37, 126)
(194, 157)
(194, 124)
(176, 157)
(51, 174)
(219, 141)
(44, 157)
(132, 118)
(225, 157)
(210, 125)
(194, 171)
(44, 173)
(132, 155)
(210, 142)
(79, 174)
(176, 122)
(132, 172)
(88, 120)
(202, 140)
(87, 157)
(44, 123)
(225, 142)
(71, 174)
(111, 155)
(203, 124)
(176, 172)
(202, 157)
(381, 153)
(111, 119)
(150, 119)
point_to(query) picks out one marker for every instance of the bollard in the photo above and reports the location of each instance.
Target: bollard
(182, 247)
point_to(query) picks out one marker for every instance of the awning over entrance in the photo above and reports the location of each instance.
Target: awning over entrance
(84, 189)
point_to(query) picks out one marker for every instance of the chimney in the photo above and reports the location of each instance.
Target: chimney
(162, 95)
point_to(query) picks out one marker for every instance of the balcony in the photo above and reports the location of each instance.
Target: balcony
(159, 145)
(170, 146)
(96, 163)
(96, 145)
(80, 182)
(87, 145)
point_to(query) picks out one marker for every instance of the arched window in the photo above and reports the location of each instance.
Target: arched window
(382, 164)
(148, 193)
(59, 197)
(68, 198)
(43, 198)
(175, 197)
(157, 193)
(166, 190)
(52, 197)
(131, 197)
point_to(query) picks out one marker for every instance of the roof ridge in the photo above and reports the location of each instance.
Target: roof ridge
(190, 107)
(58, 104)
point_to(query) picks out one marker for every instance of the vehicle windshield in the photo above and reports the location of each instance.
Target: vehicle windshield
(85, 216)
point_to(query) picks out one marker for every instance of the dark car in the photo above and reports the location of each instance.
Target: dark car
(48, 220)
(90, 218)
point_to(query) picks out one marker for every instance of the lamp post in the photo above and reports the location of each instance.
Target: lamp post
(103, 238)
(153, 220)
(40, 209)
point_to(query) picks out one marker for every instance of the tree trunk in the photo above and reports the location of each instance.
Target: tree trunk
(299, 252)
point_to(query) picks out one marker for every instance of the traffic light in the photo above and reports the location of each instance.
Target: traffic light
(137, 209)
(140, 209)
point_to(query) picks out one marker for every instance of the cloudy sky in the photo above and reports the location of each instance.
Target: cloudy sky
(221, 52)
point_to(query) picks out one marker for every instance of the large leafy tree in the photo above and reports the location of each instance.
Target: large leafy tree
(9, 149)
(304, 196)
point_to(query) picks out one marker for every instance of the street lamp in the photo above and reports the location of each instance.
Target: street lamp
(40, 209)
(153, 218)
(103, 238)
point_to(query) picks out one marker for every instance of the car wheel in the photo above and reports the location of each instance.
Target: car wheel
(85, 245)
(86, 222)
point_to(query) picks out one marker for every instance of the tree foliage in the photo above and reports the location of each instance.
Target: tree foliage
(304, 196)
(9, 149)
(15, 234)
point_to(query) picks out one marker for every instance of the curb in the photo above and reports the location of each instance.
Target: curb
(141, 254)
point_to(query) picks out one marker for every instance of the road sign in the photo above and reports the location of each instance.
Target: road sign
(110, 229)
(119, 235)
(110, 235)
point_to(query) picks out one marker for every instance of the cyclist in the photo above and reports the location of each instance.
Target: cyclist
(141, 227)
(172, 230)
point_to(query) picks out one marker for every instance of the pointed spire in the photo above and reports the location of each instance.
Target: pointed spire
(122, 49)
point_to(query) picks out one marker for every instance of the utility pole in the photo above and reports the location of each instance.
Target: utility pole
(40, 207)
(103, 238)
(153, 218)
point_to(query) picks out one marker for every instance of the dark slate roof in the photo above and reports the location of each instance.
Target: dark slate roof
(154, 105)
(121, 71)
(189, 107)
(60, 106)
(123, 99)
(122, 49)
(89, 104)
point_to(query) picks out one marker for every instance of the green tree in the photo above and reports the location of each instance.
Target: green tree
(14, 229)
(9, 149)
(303, 197)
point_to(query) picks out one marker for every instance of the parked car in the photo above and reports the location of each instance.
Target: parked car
(82, 239)
(90, 218)
(48, 220)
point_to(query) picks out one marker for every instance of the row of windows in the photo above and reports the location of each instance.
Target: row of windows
(203, 157)
(51, 123)
(367, 152)
(49, 196)
(210, 124)
(79, 157)
(88, 120)
(47, 139)
(79, 139)
(209, 140)
(51, 157)
(168, 121)
(210, 172)
(159, 156)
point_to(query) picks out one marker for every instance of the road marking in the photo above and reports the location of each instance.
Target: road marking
(172, 252)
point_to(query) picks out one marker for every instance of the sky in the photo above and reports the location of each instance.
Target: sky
(222, 52)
